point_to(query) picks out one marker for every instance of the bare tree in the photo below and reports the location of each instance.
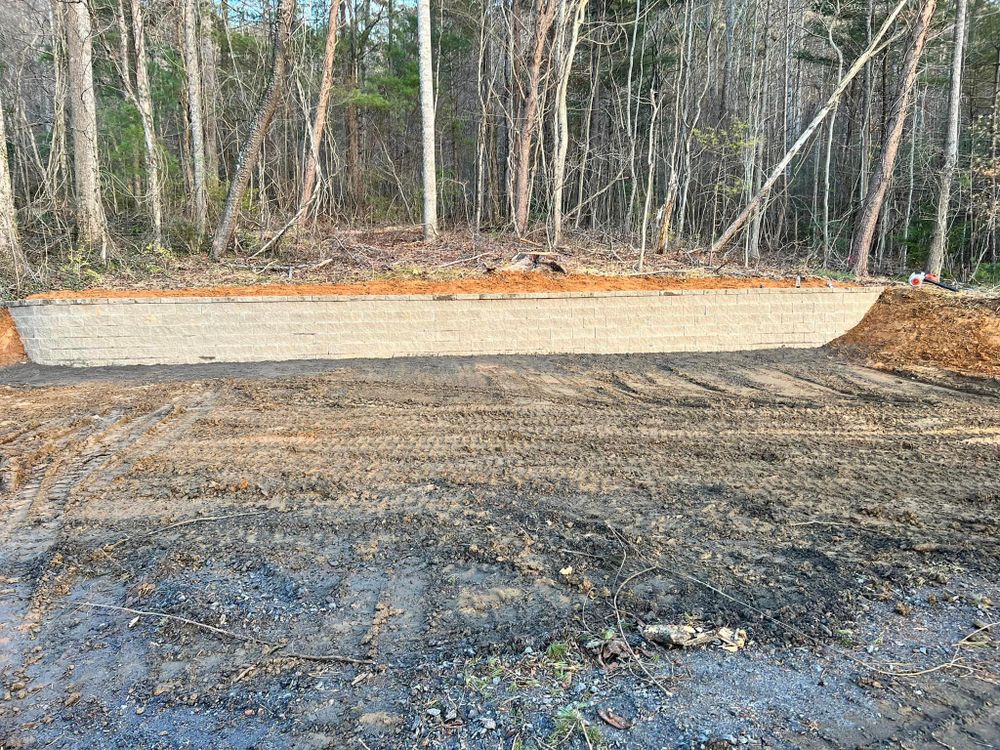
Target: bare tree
(562, 119)
(91, 222)
(57, 169)
(144, 103)
(935, 259)
(427, 118)
(210, 91)
(753, 206)
(882, 175)
(138, 93)
(192, 69)
(280, 32)
(525, 138)
(322, 107)
(11, 257)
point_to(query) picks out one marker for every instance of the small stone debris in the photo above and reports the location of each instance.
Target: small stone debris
(612, 719)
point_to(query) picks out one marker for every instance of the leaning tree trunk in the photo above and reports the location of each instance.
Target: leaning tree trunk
(935, 259)
(882, 175)
(11, 259)
(192, 69)
(281, 31)
(427, 119)
(319, 121)
(144, 103)
(91, 223)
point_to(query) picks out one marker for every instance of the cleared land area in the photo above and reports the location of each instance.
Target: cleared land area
(489, 537)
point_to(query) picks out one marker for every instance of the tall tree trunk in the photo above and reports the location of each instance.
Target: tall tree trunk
(562, 124)
(210, 91)
(427, 119)
(352, 125)
(529, 119)
(828, 159)
(727, 66)
(91, 222)
(192, 64)
(319, 120)
(650, 174)
(144, 103)
(11, 258)
(57, 170)
(935, 258)
(864, 165)
(280, 33)
(882, 175)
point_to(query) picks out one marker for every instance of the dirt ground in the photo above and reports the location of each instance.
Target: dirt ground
(192, 556)
(923, 330)
(492, 283)
(11, 348)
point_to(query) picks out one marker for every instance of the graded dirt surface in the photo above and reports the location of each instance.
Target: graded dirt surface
(492, 283)
(923, 330)
(11, 348)
(491, 534)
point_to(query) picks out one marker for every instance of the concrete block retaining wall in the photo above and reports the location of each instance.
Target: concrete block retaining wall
(181, 330)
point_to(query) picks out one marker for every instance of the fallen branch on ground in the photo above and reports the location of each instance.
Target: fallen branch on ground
(463, 260)
(273, 647)
(621, 632)
(188, 522)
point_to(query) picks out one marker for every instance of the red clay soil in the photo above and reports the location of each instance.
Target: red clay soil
(496, 283)
(910, 329)
(11, 349)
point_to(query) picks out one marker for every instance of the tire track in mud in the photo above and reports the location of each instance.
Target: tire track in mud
(68, 465)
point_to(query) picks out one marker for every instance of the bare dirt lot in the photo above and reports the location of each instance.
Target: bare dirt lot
(484, 541)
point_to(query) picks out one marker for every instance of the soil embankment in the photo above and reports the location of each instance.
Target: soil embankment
(914, 330)
(494, 283)
(11, 349)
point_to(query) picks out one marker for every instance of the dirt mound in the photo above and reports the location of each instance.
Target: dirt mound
(496, 283)
(910, 329)
(11, 349)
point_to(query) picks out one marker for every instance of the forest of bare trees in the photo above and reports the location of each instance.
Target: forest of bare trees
(857, 136)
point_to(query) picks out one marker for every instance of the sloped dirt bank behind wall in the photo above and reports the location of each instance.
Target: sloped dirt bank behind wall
(494, 283)
(11, 349)
(910, 329)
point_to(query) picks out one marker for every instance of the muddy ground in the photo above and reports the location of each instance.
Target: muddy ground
(487, 538)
